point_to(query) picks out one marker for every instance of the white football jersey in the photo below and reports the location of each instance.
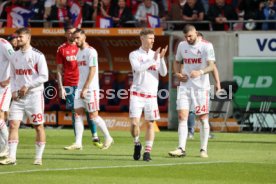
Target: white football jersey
(6, 52)
(28, 68)
(88, 57)
(195, 57)
(146, 71)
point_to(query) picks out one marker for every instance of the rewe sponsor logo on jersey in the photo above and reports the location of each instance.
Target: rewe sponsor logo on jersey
(23, 72)
(71, 58)
(192, 60)
(82, 63)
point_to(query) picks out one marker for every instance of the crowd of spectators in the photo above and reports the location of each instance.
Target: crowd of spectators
(133, 13)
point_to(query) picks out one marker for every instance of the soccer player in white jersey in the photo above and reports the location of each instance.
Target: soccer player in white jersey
(28, 73)
(198, 57)
(6, 52)
(146, 66)
(87, 93)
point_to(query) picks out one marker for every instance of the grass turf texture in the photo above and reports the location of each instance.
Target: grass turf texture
(233, 158)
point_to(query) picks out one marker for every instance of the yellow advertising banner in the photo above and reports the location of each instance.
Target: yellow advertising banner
(88, 31)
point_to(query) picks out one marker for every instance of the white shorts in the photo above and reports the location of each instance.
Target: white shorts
(32, 105)
(139, 102)
(193, 100)
(90, 103)
(5, 98)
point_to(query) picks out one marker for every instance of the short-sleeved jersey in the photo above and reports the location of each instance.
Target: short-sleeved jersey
(28, 68)
(145, 71)
(88, 57)
(66, 55)
(6, 52)
(195, 57)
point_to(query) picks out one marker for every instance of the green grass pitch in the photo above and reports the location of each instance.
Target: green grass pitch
(233, 158)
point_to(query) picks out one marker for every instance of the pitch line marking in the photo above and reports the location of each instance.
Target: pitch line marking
(110, 167)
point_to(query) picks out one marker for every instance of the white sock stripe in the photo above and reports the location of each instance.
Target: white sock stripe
(40, 143)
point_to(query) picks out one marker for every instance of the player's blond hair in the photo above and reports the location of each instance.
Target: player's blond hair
(145, 32)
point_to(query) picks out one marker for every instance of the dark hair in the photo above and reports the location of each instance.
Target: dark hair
(23, 30)
(66, 28)
(81, 31)
(146, 31)
(188, 28)
(11, 37)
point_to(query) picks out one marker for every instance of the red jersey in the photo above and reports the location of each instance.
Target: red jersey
(66, 55)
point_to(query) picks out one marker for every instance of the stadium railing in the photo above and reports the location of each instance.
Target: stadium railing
(168, 24)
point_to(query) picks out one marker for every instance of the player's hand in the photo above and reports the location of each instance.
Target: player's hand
(15, 96)
(218, 87)
(163, 51)
(83, 93)
(156, 53)
(23, 91)
(182, 77)
(3, 84)
(195, 74)
(62, 93)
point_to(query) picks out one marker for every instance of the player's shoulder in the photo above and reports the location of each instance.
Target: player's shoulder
(183, 43)
(134, 52)
(90, 50)
(36, 51)
(61, 46)
(5, 43)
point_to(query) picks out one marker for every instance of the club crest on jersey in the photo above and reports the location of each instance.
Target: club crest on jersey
(198, 53)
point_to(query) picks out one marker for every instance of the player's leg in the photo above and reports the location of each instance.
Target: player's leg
(108, 140)
(5, 99)
(93, 128)
(70, 95)
(3, 135)
(202, 110)
(183, 105)
(79, 106)
(92, 106)
(15, 117)
(135, 112)
(204, 134)
(151, 115)
(34, 109)
(191, 125)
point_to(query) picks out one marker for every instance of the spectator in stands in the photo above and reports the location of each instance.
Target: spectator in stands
(59, 12)
(87, 11)
(47, 11)
(147, 7)
(37, 7)
(251, 9)
(220, 13)
(121, 14)
(176, 13)
(102, 8)
(193, 11)
(268, 12)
